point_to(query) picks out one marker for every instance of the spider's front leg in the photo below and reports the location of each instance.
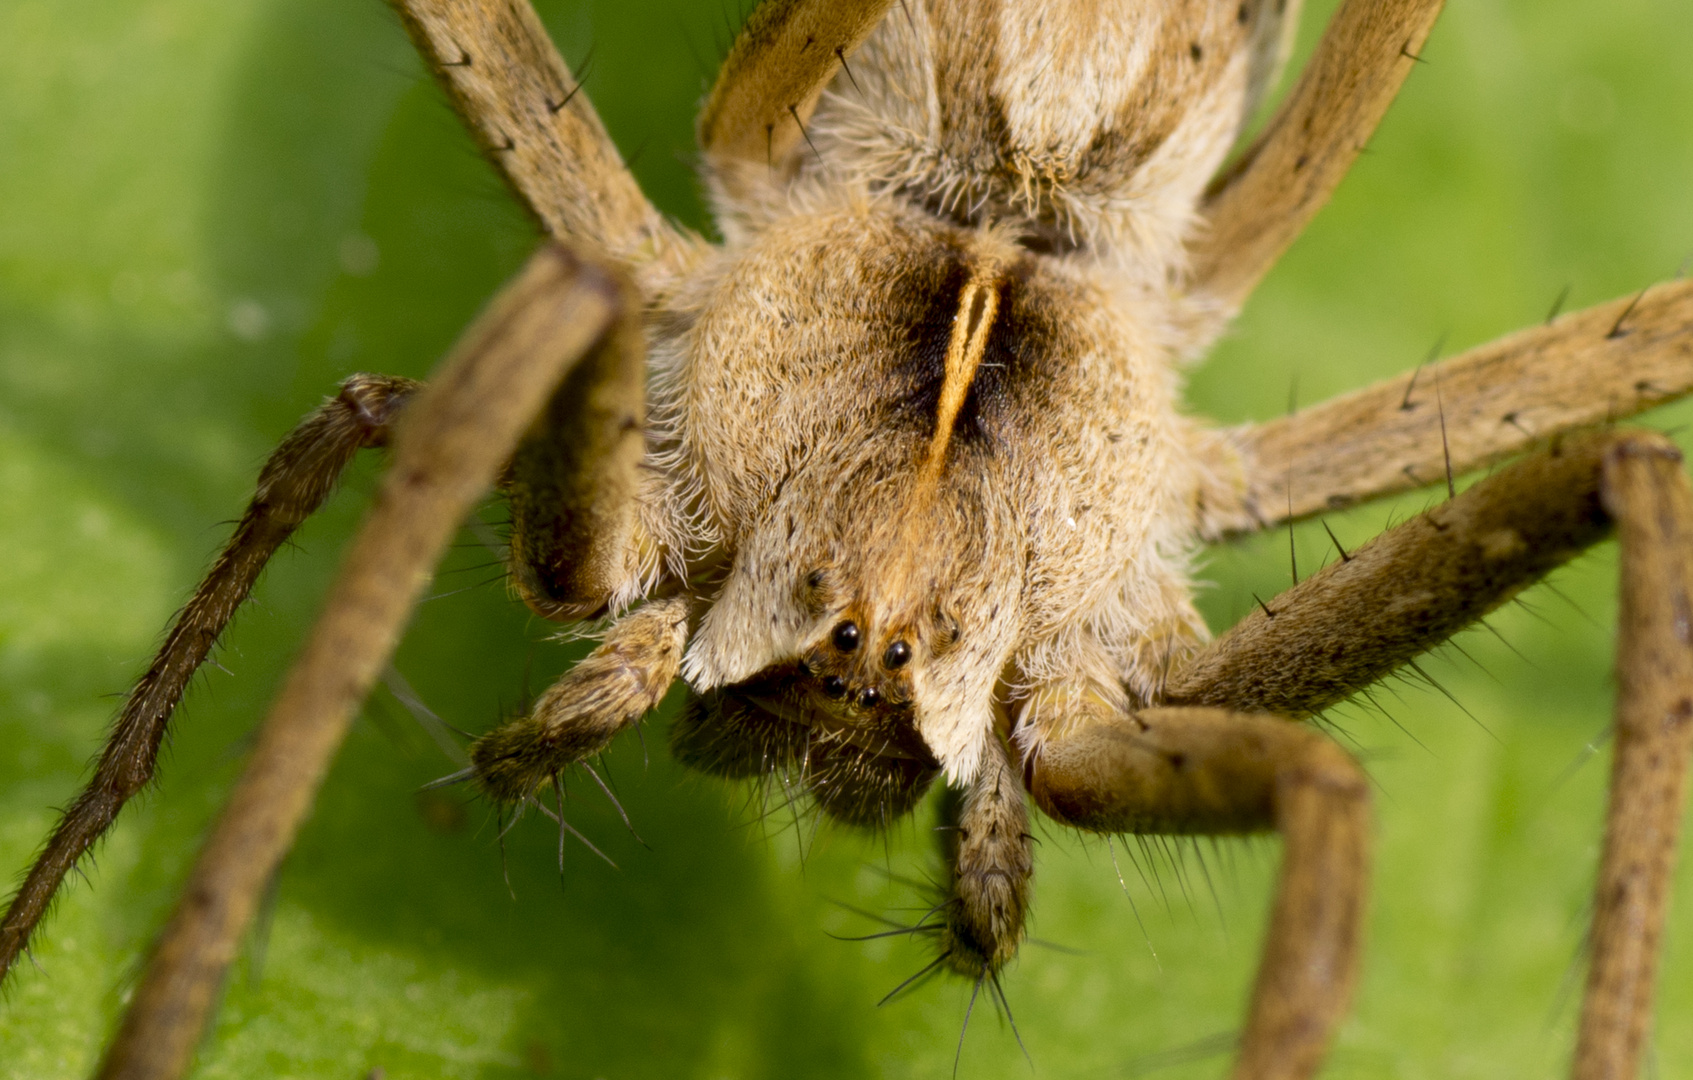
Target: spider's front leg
(294, 483)
(577, 548)
(448, 451)
(986, 842)
(578, 716)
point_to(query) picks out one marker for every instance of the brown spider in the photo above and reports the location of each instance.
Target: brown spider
(977, 568)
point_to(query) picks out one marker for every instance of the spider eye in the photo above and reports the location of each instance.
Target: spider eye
(897, 655)
(869, 698)
(834, 686)
(846, 636)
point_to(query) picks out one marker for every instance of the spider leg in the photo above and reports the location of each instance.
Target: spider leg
(1256, 209)
(1596, 366)
(1356, 621)
(1647, 494)
(768, 87)
(578, 716)
(1216, 772)
(986, 841)
(521, 103)
(298, 477)
(1352, 623)
(457, 433)
(574, 483)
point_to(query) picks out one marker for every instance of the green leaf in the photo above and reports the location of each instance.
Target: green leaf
(215, 210)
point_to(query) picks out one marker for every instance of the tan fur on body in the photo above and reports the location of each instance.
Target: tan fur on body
(1011, 496)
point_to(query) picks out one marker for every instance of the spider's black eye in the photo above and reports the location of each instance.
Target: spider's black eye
(834, 686)
(897, 655)
(814, 580)
(869, 698)
(846, 636)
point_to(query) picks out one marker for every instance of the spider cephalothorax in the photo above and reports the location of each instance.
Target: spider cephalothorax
(896, 480)
(986, 464)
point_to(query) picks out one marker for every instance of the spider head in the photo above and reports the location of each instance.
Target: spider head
(885, 636)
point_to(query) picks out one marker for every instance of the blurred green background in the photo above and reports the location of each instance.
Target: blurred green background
(212, 210)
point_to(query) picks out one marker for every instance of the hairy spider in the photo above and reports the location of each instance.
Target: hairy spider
(989, 299)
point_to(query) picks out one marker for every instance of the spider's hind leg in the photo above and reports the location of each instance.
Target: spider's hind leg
(296, 480)
(1259, 206)
(783, 58)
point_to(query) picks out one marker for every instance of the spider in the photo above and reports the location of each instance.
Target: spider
(1043, 245)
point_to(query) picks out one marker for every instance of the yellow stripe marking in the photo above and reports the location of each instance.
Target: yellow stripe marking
(978, 306)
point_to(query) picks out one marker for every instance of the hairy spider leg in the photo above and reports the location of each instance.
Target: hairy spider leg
(448, 453)
(1600, 365)
(989, 851)
(521, 103)
(1201, 771)
(1255, 210)
(1356, 621)
(573, 486)
(768, 87)
(296, 480)
(1646, 492)
(591, 704)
